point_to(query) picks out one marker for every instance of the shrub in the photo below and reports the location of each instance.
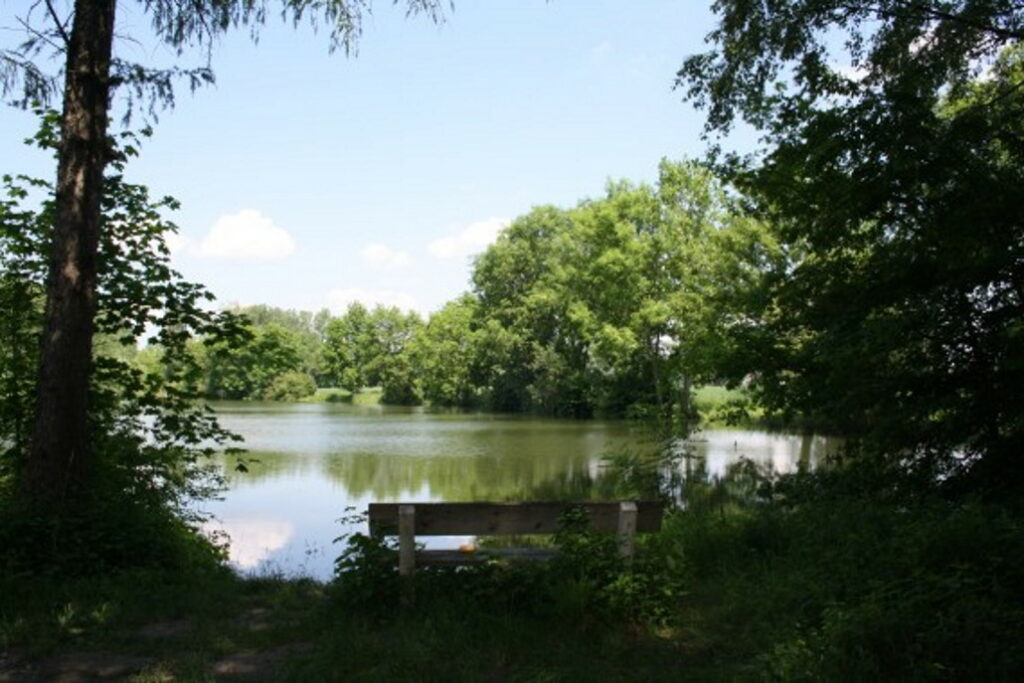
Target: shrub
(290, 386)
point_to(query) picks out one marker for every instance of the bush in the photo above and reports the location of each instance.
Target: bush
(812, 577)
(107, 534)
(290, 386)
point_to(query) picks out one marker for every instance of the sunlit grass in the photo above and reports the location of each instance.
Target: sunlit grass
(720, 406)
(369, 396)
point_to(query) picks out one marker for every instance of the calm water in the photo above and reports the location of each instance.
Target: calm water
(309, 462)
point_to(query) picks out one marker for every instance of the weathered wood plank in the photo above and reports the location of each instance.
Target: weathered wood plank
(627, 529)
(406, 539)
(498, 519)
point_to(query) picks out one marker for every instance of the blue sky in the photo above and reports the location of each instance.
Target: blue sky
(308, 179)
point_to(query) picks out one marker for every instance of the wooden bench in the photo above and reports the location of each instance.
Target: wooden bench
(408, 520)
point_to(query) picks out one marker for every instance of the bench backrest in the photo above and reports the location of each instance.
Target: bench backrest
(499, 519)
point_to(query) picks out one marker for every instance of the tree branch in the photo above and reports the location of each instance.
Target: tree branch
(29, 47)
(60, 25)
(1004, 33)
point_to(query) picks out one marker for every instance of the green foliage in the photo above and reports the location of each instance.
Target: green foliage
(398, 382)
(719, 405)
(589, 579)
(307, 331)
(586, 582)
(20, 303)
(148, 429)
(445, 352)
(112, 533)
(348, 342)
(845, 577)
(894, 188)
(369, 348)
(290, 386)
(249, 369)
(366, 568)
(613, 307)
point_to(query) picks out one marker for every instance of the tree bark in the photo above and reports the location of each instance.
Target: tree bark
(60, 453)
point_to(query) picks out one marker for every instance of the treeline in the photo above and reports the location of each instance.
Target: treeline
(614, 307)
(286, 355)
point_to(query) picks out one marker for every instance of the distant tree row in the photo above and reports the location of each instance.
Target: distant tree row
(284, 355)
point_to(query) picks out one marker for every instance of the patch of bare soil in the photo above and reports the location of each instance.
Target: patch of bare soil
(258, 666)
(73, 667)
(159, 630)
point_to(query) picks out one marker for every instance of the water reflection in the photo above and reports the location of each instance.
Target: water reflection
(253, 540)
(783, 453)
(308, 463)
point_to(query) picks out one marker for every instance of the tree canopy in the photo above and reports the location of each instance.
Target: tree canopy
(614, 307)
(891, 172)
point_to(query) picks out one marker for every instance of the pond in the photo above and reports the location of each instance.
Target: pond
(309, 463)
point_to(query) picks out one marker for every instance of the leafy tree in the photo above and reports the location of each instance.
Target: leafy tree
(348, 347)
(251, 369)
(290, 386)
(399, 381)
(389, 335)
(148, 426)
(391, 366)
(307, 327)
(615, 306)
(61, 454)
(519, 305)
(445, 352)
(892, 174)
(367, 348)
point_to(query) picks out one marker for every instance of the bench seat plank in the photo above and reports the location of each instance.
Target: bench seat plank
(500, 519)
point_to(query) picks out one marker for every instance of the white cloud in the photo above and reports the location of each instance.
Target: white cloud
(177, 242)
(473, 239)
(853, 73)
(246, 236)
(339, 299)
(383, 256)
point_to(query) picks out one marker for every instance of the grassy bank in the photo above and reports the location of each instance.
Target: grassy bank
(717, 405)
(167, 628)
(805, 578)
(370, 396)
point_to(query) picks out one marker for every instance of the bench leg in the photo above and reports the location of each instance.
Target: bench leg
(627, 530)
(406, 549)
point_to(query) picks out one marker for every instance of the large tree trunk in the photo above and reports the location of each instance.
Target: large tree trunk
(60, 452)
